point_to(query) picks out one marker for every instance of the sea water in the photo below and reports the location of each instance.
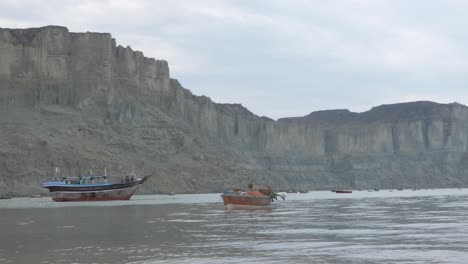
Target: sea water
(423, 226)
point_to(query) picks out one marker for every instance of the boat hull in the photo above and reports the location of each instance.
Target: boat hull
(102, 195)
(249, 200)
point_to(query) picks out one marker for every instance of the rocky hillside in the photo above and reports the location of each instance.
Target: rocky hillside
(79, 102)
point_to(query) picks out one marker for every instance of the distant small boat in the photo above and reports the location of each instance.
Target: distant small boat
(5, 197)
(297, 191)
(343, 191)
(93, 188)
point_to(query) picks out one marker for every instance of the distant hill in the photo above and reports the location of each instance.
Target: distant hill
(79, 101)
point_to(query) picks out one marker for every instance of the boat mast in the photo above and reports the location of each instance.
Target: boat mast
(57, 170)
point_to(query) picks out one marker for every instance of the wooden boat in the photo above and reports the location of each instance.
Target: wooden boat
(343, 191)
(254, 197)
(93, 188)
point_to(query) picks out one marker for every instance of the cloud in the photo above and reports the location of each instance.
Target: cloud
(297, 56)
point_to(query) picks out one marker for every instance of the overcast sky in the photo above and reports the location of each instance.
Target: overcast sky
(284, 58)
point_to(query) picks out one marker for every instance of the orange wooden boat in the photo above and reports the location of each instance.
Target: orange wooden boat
(252, 198)
(262, 196)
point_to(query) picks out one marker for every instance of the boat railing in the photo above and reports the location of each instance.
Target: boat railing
(95, 179)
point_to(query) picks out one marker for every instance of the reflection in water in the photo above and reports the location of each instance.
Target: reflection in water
(309, 228)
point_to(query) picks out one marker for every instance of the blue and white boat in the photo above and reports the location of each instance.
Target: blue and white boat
(93, 188)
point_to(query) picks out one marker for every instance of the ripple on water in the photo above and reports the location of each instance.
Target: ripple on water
(384, 227)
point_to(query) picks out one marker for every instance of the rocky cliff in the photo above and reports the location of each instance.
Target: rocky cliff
(79, 102)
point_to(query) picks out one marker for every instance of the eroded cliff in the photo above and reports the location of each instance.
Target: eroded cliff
(78, 101)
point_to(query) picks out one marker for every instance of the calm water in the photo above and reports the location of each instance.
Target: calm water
(425, 226)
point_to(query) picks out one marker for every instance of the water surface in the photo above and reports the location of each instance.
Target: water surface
(424, 226)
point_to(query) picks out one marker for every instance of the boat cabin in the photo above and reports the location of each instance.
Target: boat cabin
(84, 180)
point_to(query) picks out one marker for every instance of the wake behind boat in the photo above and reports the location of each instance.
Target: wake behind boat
(93, 188)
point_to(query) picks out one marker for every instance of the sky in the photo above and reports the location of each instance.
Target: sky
(284, 58)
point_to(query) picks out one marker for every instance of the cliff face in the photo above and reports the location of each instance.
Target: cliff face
(77, 101)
